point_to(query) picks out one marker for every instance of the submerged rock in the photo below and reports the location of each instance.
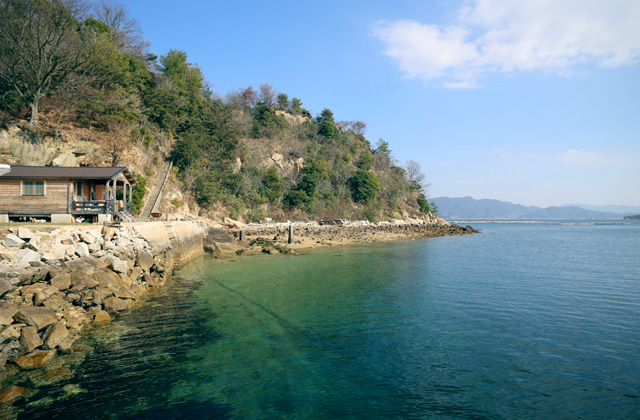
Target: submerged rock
(113, 305)
(13, 392)
(35, 360)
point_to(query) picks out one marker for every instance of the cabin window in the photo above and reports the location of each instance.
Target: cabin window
(79, 191)
(32, 187)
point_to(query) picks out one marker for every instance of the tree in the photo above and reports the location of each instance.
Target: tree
(283, 101)
(271, 185)
(126, 30)
(415, 177)
(296, 105)
(364, 186)
(326, 125)
(267, 94)
(295, 198)
(249, 96)
(423, 204)
(40, 46)
(314, 171)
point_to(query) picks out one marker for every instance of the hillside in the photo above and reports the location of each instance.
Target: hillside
(467, 208)
(249, 154)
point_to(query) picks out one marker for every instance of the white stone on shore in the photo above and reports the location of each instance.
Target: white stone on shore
(119, 266)
(12, 241)
(24, 233)
(26, 256)
(82, 249)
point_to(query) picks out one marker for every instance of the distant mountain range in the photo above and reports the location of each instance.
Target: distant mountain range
(467, 208)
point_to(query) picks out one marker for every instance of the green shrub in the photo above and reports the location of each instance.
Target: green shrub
(295, 199)
(364, 186)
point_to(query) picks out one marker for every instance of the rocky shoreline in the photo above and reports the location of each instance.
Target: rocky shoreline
(274, 237)
(56, 282)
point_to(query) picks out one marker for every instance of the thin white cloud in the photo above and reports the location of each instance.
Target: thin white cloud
(513, 36)
(573, 157)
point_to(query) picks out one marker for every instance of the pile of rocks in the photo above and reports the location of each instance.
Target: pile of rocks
(54, 284)
(357, 232)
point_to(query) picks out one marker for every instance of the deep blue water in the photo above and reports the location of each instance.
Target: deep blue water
(527, 321)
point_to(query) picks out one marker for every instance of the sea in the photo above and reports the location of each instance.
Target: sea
(521, 321)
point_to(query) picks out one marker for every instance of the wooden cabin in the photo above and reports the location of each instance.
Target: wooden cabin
(62, 194)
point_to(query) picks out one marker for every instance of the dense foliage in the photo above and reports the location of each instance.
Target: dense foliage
(224, 149)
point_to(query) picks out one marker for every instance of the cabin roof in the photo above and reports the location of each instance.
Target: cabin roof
(61, 172)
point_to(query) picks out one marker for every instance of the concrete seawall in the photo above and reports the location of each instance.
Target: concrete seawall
(57, 281)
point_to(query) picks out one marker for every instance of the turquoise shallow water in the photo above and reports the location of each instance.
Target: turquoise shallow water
(521, 321)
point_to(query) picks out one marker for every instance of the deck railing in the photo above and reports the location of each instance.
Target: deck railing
(99, 207)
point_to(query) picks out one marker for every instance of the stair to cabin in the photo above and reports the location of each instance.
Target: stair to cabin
(154, 198)
(125, 217)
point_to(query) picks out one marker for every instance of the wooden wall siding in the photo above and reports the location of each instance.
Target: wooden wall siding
(54, 200)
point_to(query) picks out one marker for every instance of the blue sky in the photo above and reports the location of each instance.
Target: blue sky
(536, 103)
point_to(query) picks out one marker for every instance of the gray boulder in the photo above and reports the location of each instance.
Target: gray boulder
(12, 241)
(26, 256)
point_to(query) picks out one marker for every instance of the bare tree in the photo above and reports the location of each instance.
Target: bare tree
(415, 177)
(40, 46)
(267, 94)
(116, 143)
(127, 30)
(358, 127)
(249, 96)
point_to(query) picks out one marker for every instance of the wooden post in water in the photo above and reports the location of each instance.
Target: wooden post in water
(290, 234)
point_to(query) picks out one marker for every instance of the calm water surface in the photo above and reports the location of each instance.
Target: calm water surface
(528, 321)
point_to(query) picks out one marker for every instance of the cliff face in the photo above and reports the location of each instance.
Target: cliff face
(57, 281)
(16, 148)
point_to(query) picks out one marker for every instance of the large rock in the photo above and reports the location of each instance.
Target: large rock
(26, 256)
(5, 286)
(29, 339)
(24, 232)
(101, 317)
(35, 360)
(119, 266)
(57, 304)
(7, 311)
(32, 288)
(87, 283)
(87, 238)
(56, 253)
(10, 333)
(55, 335)
(38, 317)
(13, 392)
(113, 305)
(82, 249)
(61, 281)
(12, 241)
(145, 260)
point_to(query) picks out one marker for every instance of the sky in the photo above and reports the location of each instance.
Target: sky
(532, 102)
